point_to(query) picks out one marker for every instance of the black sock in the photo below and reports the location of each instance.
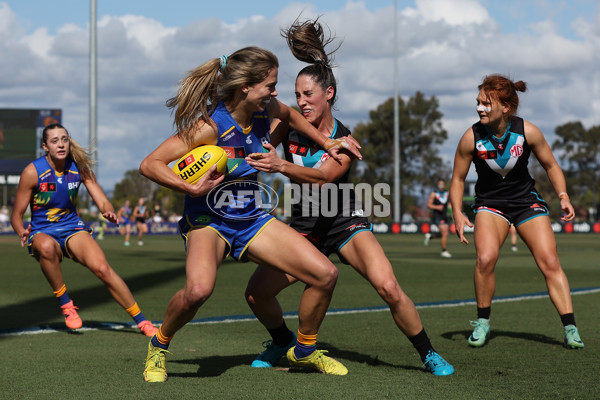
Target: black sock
(568, 319)
(282, 336)
(484, 312)
(422, 343)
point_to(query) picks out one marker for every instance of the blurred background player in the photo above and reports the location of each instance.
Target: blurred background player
(124, 221)
(50, 185)
(140, 215)
(438, 204)
(513, 238)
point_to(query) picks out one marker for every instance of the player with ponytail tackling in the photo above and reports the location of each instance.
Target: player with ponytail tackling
(349, 233)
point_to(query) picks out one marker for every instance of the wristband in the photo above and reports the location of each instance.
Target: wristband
(563, 195)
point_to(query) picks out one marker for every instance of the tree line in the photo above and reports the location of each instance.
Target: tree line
(421, 135)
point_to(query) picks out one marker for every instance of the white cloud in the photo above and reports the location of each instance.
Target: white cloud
(455, 12)
(443, 51)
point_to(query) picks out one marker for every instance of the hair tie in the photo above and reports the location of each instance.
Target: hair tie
(223, 63)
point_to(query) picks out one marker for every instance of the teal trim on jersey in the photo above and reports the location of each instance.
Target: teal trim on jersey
(506, 132)
(504, 156)
(312, 160)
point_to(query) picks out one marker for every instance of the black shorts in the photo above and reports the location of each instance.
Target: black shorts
(514, 211)
(439, 220)
(329, 235)
(140, 220)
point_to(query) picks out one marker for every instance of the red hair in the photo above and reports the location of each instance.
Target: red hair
(504, 90)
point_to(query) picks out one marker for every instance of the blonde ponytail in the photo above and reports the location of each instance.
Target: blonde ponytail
(218, 79)
(81, 157)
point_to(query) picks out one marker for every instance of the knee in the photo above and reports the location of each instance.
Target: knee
(195, 295)
(486, 261)
(253, 294)
(102, 270)
(46, 249)
(390, 292)
(549, 264)
(329, 278)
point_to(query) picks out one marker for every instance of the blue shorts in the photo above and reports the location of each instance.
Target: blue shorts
(514, 212)
(124, 222)
(61, 235)
(238, 234)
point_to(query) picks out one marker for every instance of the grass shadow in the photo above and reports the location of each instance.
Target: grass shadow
(213, 366)
(38, 311)
(533, 337)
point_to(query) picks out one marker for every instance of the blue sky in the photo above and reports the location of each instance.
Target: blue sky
(513, 15)
(445, 48)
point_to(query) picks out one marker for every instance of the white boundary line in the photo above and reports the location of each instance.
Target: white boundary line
(245, 318)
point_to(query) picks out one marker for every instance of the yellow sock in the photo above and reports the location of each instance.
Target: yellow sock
(133, 310)
(60, 291)
(160, 340)
(307, 340)
(61, 295)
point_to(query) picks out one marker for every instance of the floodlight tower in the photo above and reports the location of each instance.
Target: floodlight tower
(396, 122)
(93, 112)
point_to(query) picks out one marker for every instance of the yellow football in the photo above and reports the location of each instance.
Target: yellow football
(194, 164)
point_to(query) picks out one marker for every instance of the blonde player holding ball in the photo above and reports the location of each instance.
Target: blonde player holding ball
(230, 102)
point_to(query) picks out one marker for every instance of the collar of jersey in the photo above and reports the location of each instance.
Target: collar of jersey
(499, 139)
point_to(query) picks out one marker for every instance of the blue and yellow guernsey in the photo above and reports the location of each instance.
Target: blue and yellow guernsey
(235, 197)
(53, 200)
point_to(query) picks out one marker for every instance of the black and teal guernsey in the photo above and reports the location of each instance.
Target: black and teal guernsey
(306, 153)
(441, 199)
(501, 164)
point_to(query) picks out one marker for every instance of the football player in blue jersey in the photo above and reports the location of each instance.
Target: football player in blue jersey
(50, 185)
(230, 102)
(347, 231)
(124, 221)
(500, 145)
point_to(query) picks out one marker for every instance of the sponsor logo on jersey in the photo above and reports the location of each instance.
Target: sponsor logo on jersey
(516, 150)
(226, 138)
(297, 148)
(235, 152)
(47, 187)
(487, 154)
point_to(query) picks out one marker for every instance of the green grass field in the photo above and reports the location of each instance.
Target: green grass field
(524, 358)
